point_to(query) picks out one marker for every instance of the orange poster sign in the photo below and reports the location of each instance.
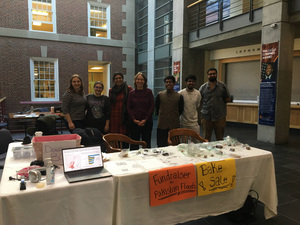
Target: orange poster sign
(172, 184)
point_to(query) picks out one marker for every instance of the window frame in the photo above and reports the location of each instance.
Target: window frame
(167, 36)
(53, 3)
(56, 78)
(212, 10)
(108, 19)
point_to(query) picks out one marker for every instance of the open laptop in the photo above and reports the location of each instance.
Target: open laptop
(83, 164)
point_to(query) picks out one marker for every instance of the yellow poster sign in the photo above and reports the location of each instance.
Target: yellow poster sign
(217, 176)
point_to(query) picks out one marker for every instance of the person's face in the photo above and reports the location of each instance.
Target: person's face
(190, 84)
(118, 80)
(76, 83)
(140, 81)
(212, 75)
(98, 88)
(269, 70)
(169, 84)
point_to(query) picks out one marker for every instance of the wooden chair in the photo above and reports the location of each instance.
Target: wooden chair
(183, 135)
(113, 142)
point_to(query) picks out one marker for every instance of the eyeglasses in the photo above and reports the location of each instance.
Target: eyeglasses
(98, 87)
(209, 74)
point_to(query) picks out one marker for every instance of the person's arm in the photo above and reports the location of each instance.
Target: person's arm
(227, 95)
(157, 104)
(151, 104)
(199, 101)
(69, 120)
(106, 128)
(181, 105)
(66, 101)
(107, 111)
(130, 106)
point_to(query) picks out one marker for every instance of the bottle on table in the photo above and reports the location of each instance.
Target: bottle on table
(50, 173)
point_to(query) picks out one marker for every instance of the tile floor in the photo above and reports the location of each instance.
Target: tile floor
(287, 167)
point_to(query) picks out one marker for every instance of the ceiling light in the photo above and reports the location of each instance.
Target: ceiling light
(96, 68)
(37, 23)
(42, 13)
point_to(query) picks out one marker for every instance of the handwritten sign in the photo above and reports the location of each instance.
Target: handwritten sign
(172, 184)
(216, 176)
(50, 146)
(53, 150)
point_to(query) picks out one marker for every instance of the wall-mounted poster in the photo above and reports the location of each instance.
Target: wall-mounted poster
(176, 74)
(267, 98)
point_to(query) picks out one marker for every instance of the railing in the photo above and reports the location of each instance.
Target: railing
(204, 13)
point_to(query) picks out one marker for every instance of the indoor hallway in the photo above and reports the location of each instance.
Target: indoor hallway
(287, 168)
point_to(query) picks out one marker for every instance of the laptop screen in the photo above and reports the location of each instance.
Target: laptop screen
(75, 159)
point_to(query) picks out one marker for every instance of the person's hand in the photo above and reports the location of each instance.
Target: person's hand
(142, 123)
(106, 128)
(71, 126)
(136, 121)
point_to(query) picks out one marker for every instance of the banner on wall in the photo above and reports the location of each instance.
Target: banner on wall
(176, 74)
(267, 97)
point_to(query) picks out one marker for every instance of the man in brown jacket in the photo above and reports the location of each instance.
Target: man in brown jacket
(169, 106)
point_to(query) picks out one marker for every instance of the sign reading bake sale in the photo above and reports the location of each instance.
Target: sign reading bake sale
(216, 176)
(172, 184)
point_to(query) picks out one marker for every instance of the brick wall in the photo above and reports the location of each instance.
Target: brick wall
(14, 14)
(72, 58)
(71, 19)
(71, 16)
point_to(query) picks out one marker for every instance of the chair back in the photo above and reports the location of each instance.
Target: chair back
(3, 121)
(5, 140)
(114, 141)
(183, 135)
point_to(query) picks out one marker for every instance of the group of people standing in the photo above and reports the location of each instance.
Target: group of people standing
(182, 109)
(125, 111)
(129, 111)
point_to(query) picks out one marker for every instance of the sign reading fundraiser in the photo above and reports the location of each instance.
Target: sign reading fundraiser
(172, 184)
(216, 176)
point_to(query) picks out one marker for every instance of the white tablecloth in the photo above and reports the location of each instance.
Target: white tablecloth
(254, 170)
(124, 198)
(89, 202)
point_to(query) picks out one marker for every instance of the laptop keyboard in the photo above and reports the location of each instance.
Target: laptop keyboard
(84, 173)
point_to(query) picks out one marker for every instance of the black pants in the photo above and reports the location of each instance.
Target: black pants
(138, 132)
(77, 123)
(162, 137)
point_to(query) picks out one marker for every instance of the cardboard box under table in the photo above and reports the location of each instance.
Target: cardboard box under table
(50, 146)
